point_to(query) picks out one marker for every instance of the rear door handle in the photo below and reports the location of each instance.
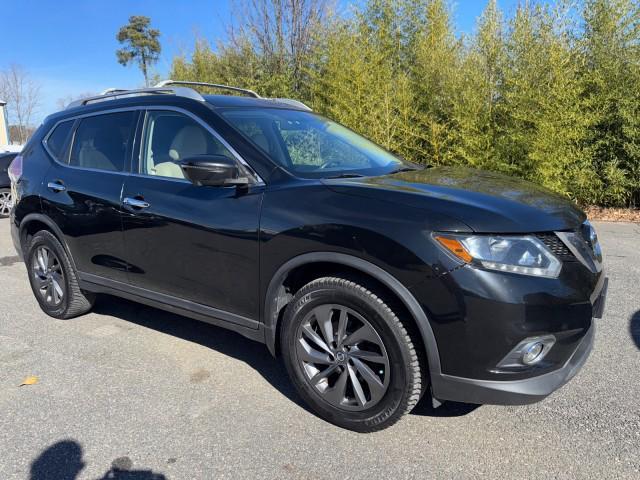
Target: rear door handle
(135, 203)
(56, 186)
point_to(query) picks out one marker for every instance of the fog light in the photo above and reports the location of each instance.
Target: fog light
(528, 352)
(532, 353)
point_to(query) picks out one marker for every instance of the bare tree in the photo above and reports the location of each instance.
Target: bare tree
(63, 102)
(22, 95)
(283, 32)
(16, 133)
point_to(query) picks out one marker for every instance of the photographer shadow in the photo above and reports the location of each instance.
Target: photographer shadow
(634, 328)
(63, 461)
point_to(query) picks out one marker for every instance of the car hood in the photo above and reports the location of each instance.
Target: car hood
(485, 201)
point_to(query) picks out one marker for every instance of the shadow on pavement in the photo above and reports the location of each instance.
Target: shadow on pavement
(63, 461)
(224, 341)
(634, 328)
(447, 409)
(235, 345)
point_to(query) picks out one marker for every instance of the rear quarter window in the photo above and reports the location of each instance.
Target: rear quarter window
(57, 140)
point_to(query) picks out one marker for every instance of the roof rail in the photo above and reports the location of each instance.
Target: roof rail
(286, 101)
(246, 91)
(292, 102)
(112, 90)
(112, 93)
(164, 88)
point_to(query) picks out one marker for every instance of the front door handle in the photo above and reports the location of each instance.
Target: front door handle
(56, 186)
(135, 203)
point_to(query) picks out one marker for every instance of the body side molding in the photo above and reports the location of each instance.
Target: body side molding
(245, 326)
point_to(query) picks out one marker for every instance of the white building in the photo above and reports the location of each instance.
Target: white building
(4, 127)
(5, 140)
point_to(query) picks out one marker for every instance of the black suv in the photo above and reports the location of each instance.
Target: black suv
(376, 280)
(5, 190)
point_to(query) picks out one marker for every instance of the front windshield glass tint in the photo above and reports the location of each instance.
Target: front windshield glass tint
(308, 145)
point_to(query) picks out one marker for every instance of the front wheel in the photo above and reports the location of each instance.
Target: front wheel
(349, 355)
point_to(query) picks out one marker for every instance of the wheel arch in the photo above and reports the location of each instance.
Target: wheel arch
(35, 222)
(277, 298)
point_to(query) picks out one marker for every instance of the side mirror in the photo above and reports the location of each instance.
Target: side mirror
(213, 171)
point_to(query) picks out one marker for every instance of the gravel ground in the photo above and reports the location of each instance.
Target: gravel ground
(130, 392)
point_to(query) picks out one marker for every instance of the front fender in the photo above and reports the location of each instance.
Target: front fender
(306, 222)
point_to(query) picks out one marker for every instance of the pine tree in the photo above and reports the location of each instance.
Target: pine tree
(437, 61)
(543, 120)
(478, 92)
(612, 84)
(559, 151)
(140, 44)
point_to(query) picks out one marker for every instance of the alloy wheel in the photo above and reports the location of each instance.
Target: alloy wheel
(343, 357)
(48, 275)
(5, 203)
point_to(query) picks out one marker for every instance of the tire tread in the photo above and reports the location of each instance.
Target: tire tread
(416, 375)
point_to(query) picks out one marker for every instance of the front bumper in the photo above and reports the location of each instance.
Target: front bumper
(534, 387)
(512, 392)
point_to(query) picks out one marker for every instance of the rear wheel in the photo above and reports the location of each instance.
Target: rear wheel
(350, 356)
(53, 278)
(5, 202)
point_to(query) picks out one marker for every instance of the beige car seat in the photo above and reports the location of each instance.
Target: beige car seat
(95, 151)
(191, 140)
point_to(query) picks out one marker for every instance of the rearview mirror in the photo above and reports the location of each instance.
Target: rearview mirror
(213, 171)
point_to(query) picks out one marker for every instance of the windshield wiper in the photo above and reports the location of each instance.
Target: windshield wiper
(405, 168)
(347, 175)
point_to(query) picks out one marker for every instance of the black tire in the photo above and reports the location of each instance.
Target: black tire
(5, 196)
(73, 302)
(407, 380)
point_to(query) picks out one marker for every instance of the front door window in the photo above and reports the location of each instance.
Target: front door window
(169, 138)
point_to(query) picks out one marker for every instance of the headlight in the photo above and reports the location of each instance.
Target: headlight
(516, 254)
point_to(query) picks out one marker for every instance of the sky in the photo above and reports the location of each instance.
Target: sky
(68, 46)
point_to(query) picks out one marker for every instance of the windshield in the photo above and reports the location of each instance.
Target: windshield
(308, 145)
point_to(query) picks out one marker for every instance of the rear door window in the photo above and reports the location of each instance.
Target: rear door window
(103, 142)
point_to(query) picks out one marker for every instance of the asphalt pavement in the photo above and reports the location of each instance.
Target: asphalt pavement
(131, 392)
